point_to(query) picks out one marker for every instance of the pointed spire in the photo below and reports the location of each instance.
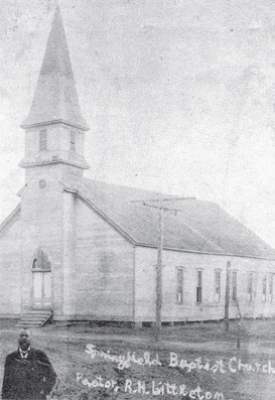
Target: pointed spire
(55, 99)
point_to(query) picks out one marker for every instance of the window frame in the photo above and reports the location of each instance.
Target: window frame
(180, 285)
(264, 288)
(271, 287)
(251, 285)
(217, 284)
(234, 285)
(199, 286)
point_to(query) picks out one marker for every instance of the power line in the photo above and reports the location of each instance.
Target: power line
(151, 203)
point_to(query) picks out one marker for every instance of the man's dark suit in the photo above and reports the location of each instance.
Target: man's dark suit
(30, 378)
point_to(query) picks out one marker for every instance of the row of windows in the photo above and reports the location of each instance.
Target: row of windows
(267, 286)
(43, 140)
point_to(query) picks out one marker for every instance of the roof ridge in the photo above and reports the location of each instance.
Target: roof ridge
(118, 185)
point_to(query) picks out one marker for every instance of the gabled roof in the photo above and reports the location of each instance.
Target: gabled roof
(55, 98)
(201, 226)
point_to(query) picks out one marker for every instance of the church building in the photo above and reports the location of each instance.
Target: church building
(83, 250)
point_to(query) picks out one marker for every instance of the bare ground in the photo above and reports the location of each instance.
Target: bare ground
(66, 349)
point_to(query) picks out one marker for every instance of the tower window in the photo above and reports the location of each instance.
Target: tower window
(72, 141)
(43, 140)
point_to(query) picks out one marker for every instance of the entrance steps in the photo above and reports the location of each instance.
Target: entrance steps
(35, 318)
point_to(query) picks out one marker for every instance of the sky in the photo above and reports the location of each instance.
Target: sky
(179, 96)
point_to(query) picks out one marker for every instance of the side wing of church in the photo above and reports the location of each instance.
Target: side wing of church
(86, 250)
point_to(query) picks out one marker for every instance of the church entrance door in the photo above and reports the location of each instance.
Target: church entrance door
(41, 281)
(42, 294)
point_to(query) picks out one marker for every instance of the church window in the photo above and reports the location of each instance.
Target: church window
(72, 141)
(43, 140)
(264, 288)
(271, 282)
(217, 285)
(199, 287)
(251, 285)
(234, 285)
(179, 285)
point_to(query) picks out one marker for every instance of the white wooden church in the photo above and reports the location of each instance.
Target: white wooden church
(85, 250)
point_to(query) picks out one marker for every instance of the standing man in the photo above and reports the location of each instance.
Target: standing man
(28, 373)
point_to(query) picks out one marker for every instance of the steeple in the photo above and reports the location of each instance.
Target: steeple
(55, 99)
(55, 128)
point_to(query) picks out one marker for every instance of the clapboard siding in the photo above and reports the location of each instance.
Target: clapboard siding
(10, 295)
(210, 308)
(103, 268)
(41, 218)
(97, 274)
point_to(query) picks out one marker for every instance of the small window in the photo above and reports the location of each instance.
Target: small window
(35, 264)
(264, 293)
(43, 140)
(199, 287)
(234, 286)
(250, 286)
(72, 141)
(271, 283)
(180, 285)
(217, 285)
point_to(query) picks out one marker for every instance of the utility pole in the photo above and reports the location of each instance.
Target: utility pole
(227, 296)
(239, 325)
(160, 205)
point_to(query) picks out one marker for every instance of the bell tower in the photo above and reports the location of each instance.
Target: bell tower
(54, 127)
(53, 161)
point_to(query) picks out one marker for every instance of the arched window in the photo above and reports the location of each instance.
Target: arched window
(41, 261)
